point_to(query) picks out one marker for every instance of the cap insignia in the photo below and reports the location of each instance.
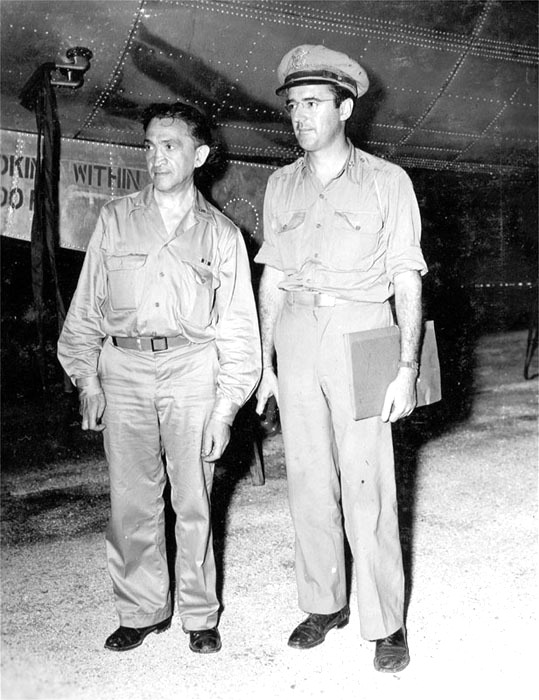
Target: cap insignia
(297, 60)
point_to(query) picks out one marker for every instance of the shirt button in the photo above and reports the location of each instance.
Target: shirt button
(161, 274)
(316, 255)
(157, 303)
(321, 196)
(318, 225)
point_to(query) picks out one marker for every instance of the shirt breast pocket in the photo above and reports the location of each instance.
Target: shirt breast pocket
(290, 237)
(125, 274)
(354, 239)
(195, 295)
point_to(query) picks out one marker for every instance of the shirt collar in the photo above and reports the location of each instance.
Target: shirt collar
(352, 156)
(201, 208)
(349, 164)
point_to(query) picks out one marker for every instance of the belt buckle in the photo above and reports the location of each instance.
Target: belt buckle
(322, 299)
(159, 344)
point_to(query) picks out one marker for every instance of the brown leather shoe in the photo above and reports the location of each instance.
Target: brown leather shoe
(205, 641)
(312, 631)
(126, 638)
(391, 655)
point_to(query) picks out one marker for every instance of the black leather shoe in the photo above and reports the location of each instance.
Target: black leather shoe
(391, 655)
(126, 638)
(205, 641)
(313, 630)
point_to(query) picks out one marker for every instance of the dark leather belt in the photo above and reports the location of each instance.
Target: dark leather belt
(155, 344)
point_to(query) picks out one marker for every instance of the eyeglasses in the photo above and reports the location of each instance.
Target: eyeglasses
(310, 106)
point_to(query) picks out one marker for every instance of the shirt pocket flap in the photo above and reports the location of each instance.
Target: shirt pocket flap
(290, 220)
(202, 273)
(132, 261)
(363, 221)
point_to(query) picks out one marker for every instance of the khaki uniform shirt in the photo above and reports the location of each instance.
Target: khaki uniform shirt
(137, 280)
(349, 238)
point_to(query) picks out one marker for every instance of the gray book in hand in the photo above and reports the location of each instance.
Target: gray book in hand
(373, 358)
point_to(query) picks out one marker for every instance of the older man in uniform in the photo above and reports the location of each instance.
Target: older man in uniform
(341, 237)
(162, 342)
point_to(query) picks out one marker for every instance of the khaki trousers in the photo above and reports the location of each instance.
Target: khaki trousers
(340, 472)
(159, 403)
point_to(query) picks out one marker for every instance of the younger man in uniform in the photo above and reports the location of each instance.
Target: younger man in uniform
(341, 236)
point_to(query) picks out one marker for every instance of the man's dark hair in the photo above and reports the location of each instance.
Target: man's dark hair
(191, 116)
(341, 94)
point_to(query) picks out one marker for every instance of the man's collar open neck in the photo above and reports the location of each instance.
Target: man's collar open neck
(175, 199)
(334, 159)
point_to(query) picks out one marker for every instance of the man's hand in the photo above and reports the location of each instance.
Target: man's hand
(401, 398)
(91, 408)
(268, 387)
(214, 440)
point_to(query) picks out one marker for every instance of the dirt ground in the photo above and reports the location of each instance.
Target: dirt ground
(468, 506)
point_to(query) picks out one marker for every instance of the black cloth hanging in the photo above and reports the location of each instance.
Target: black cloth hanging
(40, 97)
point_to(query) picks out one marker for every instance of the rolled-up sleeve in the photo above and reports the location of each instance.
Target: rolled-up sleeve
(82, 335)
(237, 332)
(268, 253)
(403, 226)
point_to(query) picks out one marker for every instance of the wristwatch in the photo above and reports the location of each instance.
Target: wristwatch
(410, 365)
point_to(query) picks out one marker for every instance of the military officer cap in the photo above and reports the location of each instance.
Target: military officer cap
(316, 64)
